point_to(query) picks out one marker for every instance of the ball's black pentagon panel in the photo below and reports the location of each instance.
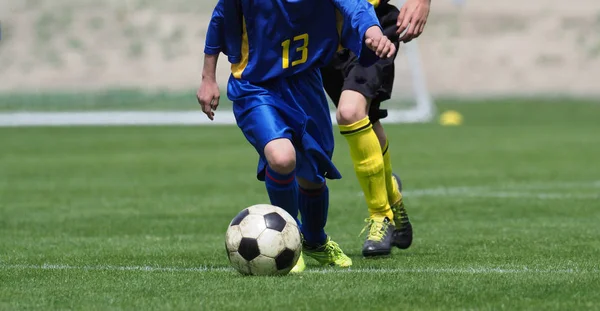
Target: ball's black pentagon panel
(239, 217)
(248, 248)
(285, 259)
(275, 222)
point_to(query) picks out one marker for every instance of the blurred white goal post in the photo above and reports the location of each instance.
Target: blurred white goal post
(423, 109)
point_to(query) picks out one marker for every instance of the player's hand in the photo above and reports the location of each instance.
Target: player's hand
(379, 43)
(412, 19)
(208, 96)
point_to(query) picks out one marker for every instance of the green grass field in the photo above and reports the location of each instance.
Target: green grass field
(506, 210)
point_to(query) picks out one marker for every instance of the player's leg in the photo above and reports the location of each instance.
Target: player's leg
(281, 182)
(365, 151)
(392, 185)
(335, 76)
(314, 207)
(385, 71)
(266, 130)
(314, 162)
(402, 237)
(280, 175)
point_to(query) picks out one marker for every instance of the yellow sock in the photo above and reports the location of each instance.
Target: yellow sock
(365, 152)
(393, 192)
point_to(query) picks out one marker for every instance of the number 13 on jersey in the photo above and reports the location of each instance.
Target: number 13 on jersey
(303, 48)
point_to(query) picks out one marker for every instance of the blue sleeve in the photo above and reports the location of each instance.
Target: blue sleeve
(224, 32)
(359, 15)
(215, 33)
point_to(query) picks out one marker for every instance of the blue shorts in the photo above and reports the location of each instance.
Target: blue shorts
(294, 108)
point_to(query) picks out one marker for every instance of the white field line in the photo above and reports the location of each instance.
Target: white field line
(115, 118)
(205, 269)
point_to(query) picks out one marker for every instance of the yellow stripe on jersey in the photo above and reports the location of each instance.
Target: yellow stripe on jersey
(375, 3)
(339, 23)
(238, 69)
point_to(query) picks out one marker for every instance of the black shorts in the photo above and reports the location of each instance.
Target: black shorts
(374, 82)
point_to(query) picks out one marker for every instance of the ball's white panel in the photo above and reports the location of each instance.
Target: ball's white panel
(232, 238)
(263, 265)
(270, 243)
(291, 237)
(262, 209)
(238, 263)
(252, 226)
(290, 220)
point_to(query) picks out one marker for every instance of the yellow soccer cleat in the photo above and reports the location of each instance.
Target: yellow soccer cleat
(300, 265)
(328, 254)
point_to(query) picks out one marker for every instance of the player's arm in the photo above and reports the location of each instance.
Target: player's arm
(412, 19)
(208, 93)
(361, 29)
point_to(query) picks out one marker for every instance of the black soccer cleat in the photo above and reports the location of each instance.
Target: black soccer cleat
(379, 237)
(403, 235)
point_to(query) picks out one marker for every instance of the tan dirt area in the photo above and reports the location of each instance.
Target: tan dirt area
(481, 48)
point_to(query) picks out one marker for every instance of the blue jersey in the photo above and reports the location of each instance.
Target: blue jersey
(266, 39)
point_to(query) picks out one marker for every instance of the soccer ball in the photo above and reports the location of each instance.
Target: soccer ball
(263, 240)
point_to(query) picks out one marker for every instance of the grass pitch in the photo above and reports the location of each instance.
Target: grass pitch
(506, 211)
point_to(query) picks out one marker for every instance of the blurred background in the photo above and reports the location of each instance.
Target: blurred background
(115, 48)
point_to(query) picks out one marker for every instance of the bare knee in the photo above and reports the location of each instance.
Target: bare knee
(281, 155)
(352, 107)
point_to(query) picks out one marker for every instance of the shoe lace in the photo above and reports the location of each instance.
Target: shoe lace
(376, 232)
(332, 249)
(401, 211)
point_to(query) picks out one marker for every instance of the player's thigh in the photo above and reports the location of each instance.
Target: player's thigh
(314, 161)
(314, 156)
(263, 124)
(315, 142)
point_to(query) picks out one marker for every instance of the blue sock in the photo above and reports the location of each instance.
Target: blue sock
(283, 191)
(314, 206)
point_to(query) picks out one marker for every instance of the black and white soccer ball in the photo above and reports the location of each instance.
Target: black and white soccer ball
(263, 240)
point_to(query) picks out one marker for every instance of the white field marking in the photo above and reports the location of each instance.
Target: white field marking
(115, 118)
(205, 269)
